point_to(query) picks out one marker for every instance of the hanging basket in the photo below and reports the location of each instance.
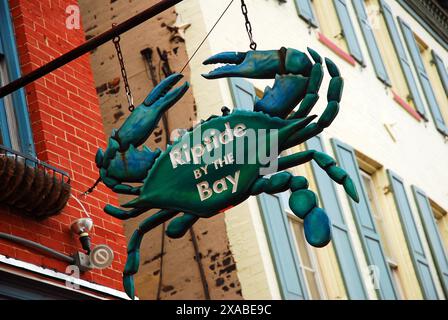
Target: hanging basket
(30, 186)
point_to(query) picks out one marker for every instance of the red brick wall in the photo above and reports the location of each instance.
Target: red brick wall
(67, 130)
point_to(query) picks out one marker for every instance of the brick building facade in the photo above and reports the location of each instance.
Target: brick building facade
(67, 128)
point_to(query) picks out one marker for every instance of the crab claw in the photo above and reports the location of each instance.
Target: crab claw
(259, 64)
(279, 100)
(142, 122)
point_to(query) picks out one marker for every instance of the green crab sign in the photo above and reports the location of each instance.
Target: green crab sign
(225, 159)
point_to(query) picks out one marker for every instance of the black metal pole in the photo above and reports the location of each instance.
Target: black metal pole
(87, 46)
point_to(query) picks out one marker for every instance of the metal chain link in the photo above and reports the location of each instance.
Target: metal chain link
(127, 88)
(253, 44)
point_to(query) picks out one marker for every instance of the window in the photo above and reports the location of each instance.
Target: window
(431, 64)
(366, 20)
(441, 217)
(396, 61)
(15, 130)
(413, 46)
(386, 47)
(363, 215)
(8, 128)
(335, 25)
(307, 257)
(414, 239)
(377, 214)
(433, 224)
(345, 255)
(329, 23)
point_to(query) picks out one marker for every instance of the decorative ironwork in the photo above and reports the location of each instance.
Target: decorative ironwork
(30, 185)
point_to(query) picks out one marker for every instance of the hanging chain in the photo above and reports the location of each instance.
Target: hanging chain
(253, 44)
(124, 75)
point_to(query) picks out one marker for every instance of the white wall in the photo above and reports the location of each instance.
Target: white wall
(419, 155)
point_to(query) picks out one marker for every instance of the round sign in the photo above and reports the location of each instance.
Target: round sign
(101, 256)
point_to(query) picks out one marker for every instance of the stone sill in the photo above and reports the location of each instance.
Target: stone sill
(336, 49)
(407, 107)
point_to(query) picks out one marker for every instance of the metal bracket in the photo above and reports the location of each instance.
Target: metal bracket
(82, 261)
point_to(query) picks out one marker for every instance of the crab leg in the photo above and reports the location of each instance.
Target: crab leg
(180, 225)
(333, 97)
(123, 214)
(303, 203)
(133, 260)
(327, 163)
(315, 81)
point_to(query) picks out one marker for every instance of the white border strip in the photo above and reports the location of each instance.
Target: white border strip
(62, 276)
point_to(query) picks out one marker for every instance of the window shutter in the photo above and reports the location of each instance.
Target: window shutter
(372, 45)
(345, 254)
(415, 246)
(404, 62)
(305, 10)
(423, 76)
(365, 223)
(432, 233)
(243, 93)
(282, 248)
(442, 71)
(348, 30)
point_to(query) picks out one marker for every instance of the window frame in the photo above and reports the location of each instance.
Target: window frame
(19, 116)
(352, 51)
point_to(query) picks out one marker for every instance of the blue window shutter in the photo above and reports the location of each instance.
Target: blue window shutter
(423, 76)
(14, 72)
(243, 93)
(413, 239)
(372, 45)
(282, 248)
(402, 57)
(432, 233)
(345, 254)
(348, 30)
(365, 223)
(305, 10)
(442, 71)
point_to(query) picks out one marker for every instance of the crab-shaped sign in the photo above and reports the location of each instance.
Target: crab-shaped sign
(218, 163)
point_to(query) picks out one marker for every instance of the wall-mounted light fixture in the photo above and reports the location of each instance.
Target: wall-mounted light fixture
(82, 227)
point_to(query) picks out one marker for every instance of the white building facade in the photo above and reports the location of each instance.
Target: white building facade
(390, 135)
